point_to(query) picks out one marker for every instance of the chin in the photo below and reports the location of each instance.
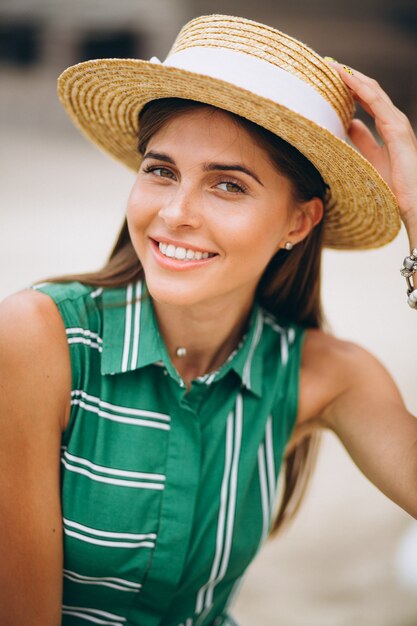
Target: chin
(172, 292)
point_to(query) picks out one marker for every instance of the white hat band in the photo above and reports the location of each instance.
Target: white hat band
(259, 77)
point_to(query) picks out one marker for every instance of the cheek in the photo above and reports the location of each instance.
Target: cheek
(139, 208)
(257, 238)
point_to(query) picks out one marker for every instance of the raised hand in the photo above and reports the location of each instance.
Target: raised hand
(395, 155)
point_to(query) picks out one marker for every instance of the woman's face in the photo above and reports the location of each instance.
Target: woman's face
(207, 211)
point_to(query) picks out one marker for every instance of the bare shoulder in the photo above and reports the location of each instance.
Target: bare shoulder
(330, 367)
(329, 351)
(30, 325)
(336, 356)
(28, 307)
(34, 358)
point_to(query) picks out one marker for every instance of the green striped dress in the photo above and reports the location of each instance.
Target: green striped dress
(167, 495)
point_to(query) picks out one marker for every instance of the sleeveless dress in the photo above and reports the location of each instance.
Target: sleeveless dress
(167, 495)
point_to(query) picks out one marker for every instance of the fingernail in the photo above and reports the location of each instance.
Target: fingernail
(331, 59)
(348, 70)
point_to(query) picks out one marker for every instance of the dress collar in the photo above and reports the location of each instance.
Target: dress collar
(132, 340)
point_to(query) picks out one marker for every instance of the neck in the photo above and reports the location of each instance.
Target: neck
(208, 342)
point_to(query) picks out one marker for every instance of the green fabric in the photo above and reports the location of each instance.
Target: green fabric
(166, 495)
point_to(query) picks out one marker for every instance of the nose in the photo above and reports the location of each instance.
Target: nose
(182, 210)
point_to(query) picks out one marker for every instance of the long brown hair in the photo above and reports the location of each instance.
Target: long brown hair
(289, 287)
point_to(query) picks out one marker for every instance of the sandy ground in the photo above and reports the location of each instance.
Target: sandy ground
(61, 202)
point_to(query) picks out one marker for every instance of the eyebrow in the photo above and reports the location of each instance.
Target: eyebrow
(207, 167)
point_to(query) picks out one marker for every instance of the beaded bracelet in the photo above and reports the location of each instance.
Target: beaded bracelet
(408, 270)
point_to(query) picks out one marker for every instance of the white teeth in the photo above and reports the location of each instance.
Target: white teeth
(182, 254)
(170, 251)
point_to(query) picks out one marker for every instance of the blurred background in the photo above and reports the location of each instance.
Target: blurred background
(351, 556)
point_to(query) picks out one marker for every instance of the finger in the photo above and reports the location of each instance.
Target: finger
(363, 104)
(371, 97)
(363, 139)
(355, 79)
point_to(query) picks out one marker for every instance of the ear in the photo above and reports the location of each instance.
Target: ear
(303, 219)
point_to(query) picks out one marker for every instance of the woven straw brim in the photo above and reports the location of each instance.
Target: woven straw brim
(104, 98)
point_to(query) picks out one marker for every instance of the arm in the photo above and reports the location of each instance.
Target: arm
(345, 389)
(34, 396)
(342, 386)
(378, 432)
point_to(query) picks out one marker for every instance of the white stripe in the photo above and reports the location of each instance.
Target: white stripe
(232, 501)
(94, 611)
(86, 342)
(109, 544)
(89, 618)
(272, 322)
(235, 591)
(85, 332)
(102, 584)
(261, 77)
(118, 418)
(291, 335)
(107, 533)
(110, 470)
(96, 293)
(222, 513)
(123, 409)
(121, 581)
(135, 347)
(284, 349)
(128, 330)
(264, 491)
(86, 580)
(270, 463)
(84, 613)
(111, 481)
(255, 339)
(211, 377)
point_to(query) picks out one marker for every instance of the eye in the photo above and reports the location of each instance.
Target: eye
(162, 172)
(231, 187)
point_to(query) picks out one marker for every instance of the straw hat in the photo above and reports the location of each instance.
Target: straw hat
(261, 74)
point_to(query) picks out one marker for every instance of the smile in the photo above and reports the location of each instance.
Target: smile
(183, 254)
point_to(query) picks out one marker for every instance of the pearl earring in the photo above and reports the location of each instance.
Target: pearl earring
(288, 245)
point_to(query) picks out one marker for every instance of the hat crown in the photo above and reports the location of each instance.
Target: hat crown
(268, 44)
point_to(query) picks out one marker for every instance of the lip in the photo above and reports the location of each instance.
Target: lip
(174, 264)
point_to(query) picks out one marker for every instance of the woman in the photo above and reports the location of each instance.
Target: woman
(195, 356)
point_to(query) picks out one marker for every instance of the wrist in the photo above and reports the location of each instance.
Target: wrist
(410, 223)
